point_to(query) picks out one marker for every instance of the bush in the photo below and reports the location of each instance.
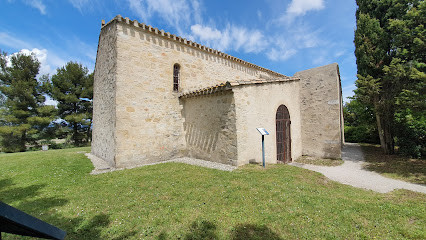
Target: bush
(411, 134)
(361, 134)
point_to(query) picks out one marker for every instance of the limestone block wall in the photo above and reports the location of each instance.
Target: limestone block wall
(103, 137)
(149, 124)
(210, 130)
(256, 106)
(321, 111)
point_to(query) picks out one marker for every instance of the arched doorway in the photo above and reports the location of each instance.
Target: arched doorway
(282, 120)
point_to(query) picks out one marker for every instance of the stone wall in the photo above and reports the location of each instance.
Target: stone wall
(210, 130)
(103, 137)
(149, 123)
(256, 106)
(321, 110)
(139, 119)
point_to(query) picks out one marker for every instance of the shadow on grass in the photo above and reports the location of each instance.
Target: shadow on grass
(27, 199)
(253, 232)
(203, 229)
(400, 167)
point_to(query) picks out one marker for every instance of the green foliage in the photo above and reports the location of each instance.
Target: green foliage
(72, 87)
(359, 122)
(23, 116)
(411, 132)
(390, 49)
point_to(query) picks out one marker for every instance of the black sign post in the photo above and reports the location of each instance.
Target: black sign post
(17, 222)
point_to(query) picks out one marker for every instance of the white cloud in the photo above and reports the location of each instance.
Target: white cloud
(177, 13)
(231, 38)
(79, 4)
(185, 16)
(281, 49)
(41, 55)
(259, 14)
(88, 5)
(280, 54)
(304, 36)
(45, 66)
(50, 101)
(81, 48)
(49, 60)
(300, 7)
(339, 53)
(280, 46)
(38, 4)
(12, 42)
(206, 33)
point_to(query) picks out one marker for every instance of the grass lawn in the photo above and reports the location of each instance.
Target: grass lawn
(178, 201)
(394, 166)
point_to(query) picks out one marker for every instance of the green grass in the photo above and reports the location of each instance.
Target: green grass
(394, 166)
(319, 161)
(178, 201)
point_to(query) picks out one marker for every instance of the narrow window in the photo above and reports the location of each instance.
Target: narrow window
(176, 73)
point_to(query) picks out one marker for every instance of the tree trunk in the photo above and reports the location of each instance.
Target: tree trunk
(379, 123)
(380, 130)
(22, 142)
(75, 135)
(385, 131)
(88, 133)
(388, 135)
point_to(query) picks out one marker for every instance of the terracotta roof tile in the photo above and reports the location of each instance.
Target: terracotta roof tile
(230, 84)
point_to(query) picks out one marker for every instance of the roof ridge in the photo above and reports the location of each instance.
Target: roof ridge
(233, 83)
(182, 40)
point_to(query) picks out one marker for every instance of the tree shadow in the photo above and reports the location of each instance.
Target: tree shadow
(201, 229)
(9, 193)
(26, 199)
(5, 183)
(81, 228)
(413, 170)
(253, 232)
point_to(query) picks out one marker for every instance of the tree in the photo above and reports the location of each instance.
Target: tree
(72, 87)
(390, 51)
(359, 123)
(23, 116)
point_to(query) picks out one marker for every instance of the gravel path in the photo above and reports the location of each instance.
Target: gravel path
(352, 173)
(102, 167)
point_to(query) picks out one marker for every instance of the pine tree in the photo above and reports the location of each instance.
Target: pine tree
(72, 87)
(23, 116)
(390, 51)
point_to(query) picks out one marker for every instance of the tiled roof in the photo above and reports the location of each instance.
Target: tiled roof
(230, 84)
(173, 37)
(259, 81)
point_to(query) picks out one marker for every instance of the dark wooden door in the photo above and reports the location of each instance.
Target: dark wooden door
(282, 120)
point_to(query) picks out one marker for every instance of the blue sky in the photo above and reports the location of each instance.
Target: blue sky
(286, 36)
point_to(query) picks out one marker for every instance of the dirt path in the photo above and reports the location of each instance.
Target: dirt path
(352, 173)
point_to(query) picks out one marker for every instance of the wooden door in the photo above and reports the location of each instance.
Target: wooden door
(282, 120)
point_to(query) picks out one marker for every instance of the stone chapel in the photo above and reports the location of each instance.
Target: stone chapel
(158, 96)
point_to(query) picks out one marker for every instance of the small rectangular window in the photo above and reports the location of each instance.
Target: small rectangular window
(176, 69)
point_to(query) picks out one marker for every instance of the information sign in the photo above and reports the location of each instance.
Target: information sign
(262, 131)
